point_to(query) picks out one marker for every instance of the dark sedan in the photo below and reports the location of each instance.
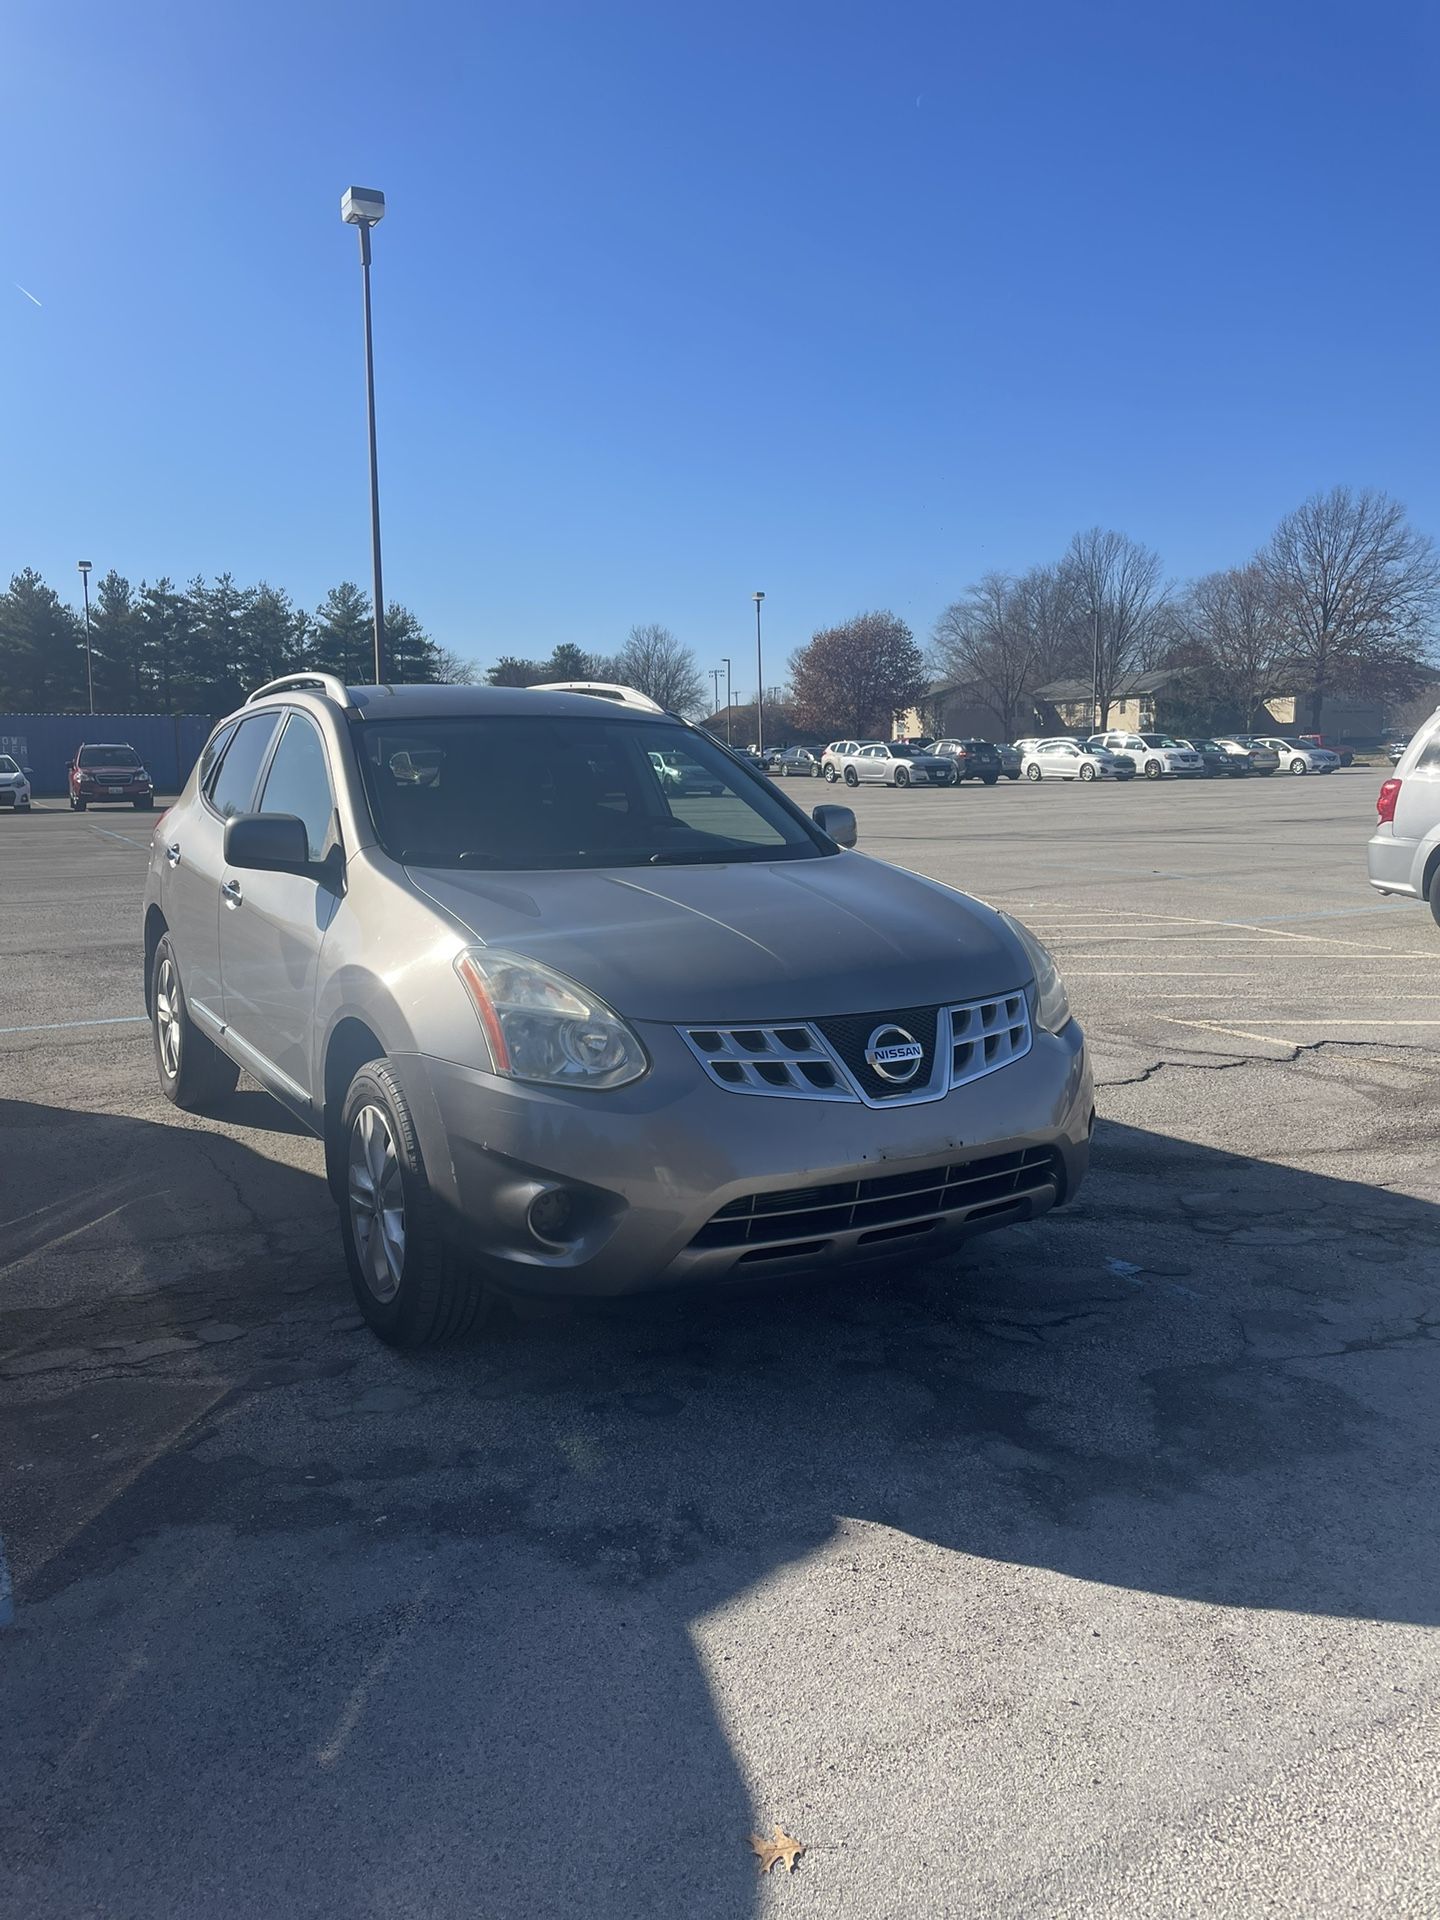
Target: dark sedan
(794, 760)
(974, 759)
(1219, 760)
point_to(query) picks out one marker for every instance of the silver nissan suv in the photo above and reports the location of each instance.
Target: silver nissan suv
(566, 1027)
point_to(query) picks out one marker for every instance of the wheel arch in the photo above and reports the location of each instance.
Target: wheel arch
(352, 1041)
(156, 928)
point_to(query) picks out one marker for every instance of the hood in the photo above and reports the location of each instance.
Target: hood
(792, 940)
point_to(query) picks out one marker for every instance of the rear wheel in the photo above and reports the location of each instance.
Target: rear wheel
(991, 778)
(852, 779)
(1432, 896)
(1032, 773)
(830, 774)
(1154, 770)
(1297, 765)
(413, 1287)
(193, 1071)
(902, 776)
(1087, 773)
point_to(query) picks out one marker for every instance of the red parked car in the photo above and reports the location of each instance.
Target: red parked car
(109, 776)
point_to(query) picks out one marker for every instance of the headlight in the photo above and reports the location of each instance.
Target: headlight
(1052, 1007)
(541, 1026)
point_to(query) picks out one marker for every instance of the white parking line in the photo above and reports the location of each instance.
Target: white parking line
(144, 845)
(63, 1026)
(1286, 1020)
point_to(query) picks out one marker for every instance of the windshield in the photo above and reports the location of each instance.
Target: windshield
(1160, 740)
(7, 765)
(544, 793)
(107, 757)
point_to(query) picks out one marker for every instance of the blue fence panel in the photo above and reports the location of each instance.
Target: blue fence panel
(168, 743)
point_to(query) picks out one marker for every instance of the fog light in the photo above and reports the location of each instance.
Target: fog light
(549, 1215)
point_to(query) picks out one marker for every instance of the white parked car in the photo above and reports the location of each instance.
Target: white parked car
(833, 759)
(1404, 852)
(14, 785)
(1298, 759)
(886, 763)
(1157, 755)
(1070, 760)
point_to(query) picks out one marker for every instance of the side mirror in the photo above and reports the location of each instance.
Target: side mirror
(29, 772)
(838, 823)
(268, 843)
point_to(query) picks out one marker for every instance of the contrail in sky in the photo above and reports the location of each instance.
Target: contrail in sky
(27, 293)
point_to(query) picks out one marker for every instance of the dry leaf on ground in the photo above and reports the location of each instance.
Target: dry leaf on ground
(783, 1847)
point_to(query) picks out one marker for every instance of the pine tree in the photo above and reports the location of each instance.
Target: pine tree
(164, 621)
(42, 658)
(410, 653)
(343, 638)
(117, 644)
(275, 638)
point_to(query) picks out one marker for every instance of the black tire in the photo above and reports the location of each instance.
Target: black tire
(1432, 896)
(1154, 770)
(1032, 773)
(830, 774)
(144, 806)
(1297, 765)
(193, 1072)
(991, 778)
(852, 779)
(78, 806)
(438, 1293)
(902, 776)
(1013, 776)
(1087, 773)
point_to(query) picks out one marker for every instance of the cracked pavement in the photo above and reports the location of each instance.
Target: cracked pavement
(1092, 1573)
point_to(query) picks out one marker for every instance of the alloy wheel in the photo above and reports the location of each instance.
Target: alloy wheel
(167, 1017)
(377, 1203)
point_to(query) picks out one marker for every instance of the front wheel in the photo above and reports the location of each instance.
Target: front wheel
(193, 1071)
(1087, 773)
(77, 806)
(852, 779)
(411, 1284)
(1032, 773)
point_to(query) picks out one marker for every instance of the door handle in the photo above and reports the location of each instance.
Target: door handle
(232, 893)
(172, 853)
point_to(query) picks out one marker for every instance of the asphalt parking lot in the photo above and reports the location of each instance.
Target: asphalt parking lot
(1094, 1573)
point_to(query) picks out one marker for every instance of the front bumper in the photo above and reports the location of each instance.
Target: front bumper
(115, 791)
(813, 1183)
(18, 797)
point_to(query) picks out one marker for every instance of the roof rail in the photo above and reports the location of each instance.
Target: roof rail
(327, 683)
(602, 690)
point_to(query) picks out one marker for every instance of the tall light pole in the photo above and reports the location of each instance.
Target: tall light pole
(364, 208)
(759, 683)
(715, 677)
(726, 665)
(83, 567)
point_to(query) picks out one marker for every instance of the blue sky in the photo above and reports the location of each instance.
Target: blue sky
(846, 302)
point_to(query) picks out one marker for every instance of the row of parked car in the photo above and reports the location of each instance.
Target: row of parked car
(1115, 755)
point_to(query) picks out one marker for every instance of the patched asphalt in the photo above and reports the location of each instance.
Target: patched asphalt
(1092, 1573)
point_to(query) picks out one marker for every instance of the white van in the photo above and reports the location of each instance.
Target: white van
(1404, 852)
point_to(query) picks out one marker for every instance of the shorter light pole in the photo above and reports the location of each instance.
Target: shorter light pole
(83, 567)
(726, 665)
(715, 678)
(759, 684)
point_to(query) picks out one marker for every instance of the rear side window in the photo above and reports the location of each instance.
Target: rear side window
(210, 758)
(1429, 757)
(299, 782)
(234, 785)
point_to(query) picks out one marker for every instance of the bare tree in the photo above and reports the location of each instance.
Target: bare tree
(989, 640)
(655, 662)
(453, 669)
(1119, 599)
(1237, 637)
(1357, 587)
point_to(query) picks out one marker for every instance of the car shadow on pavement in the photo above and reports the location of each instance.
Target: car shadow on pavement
(303, 1625)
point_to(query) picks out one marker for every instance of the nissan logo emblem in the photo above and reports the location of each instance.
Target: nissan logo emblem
(894, 1055)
